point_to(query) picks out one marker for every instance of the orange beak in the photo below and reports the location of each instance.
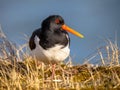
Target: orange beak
(65, 27)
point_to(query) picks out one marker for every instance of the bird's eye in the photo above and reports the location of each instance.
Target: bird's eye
(57, 21)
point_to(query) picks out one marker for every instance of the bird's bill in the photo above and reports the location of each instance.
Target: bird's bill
(65, 27)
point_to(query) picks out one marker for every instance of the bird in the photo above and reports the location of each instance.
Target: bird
(51, 42)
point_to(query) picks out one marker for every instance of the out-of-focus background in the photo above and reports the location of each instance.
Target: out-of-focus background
(98, 20)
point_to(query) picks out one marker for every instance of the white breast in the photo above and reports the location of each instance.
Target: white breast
(56, 53)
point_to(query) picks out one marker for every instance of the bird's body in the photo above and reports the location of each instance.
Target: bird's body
(51, 54)
(50, 43)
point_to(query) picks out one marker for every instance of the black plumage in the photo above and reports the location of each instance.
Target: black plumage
(50, 33)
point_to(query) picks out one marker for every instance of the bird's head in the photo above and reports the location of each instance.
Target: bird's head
(56, 22)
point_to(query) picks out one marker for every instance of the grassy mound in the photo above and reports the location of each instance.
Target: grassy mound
(27, 75)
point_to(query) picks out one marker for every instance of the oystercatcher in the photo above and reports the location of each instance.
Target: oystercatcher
(50, 43)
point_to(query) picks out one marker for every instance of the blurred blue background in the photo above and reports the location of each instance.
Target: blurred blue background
(98, 20)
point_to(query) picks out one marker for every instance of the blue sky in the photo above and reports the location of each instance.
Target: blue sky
(96, 19)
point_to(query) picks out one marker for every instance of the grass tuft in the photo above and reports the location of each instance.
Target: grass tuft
(19, 71)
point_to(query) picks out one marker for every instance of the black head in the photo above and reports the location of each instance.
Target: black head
(53, 22)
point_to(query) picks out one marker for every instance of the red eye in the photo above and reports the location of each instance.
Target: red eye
(57, 21)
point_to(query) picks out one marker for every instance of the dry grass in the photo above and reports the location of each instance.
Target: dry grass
(19, 71)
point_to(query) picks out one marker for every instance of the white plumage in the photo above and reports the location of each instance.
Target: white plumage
(51, 55)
